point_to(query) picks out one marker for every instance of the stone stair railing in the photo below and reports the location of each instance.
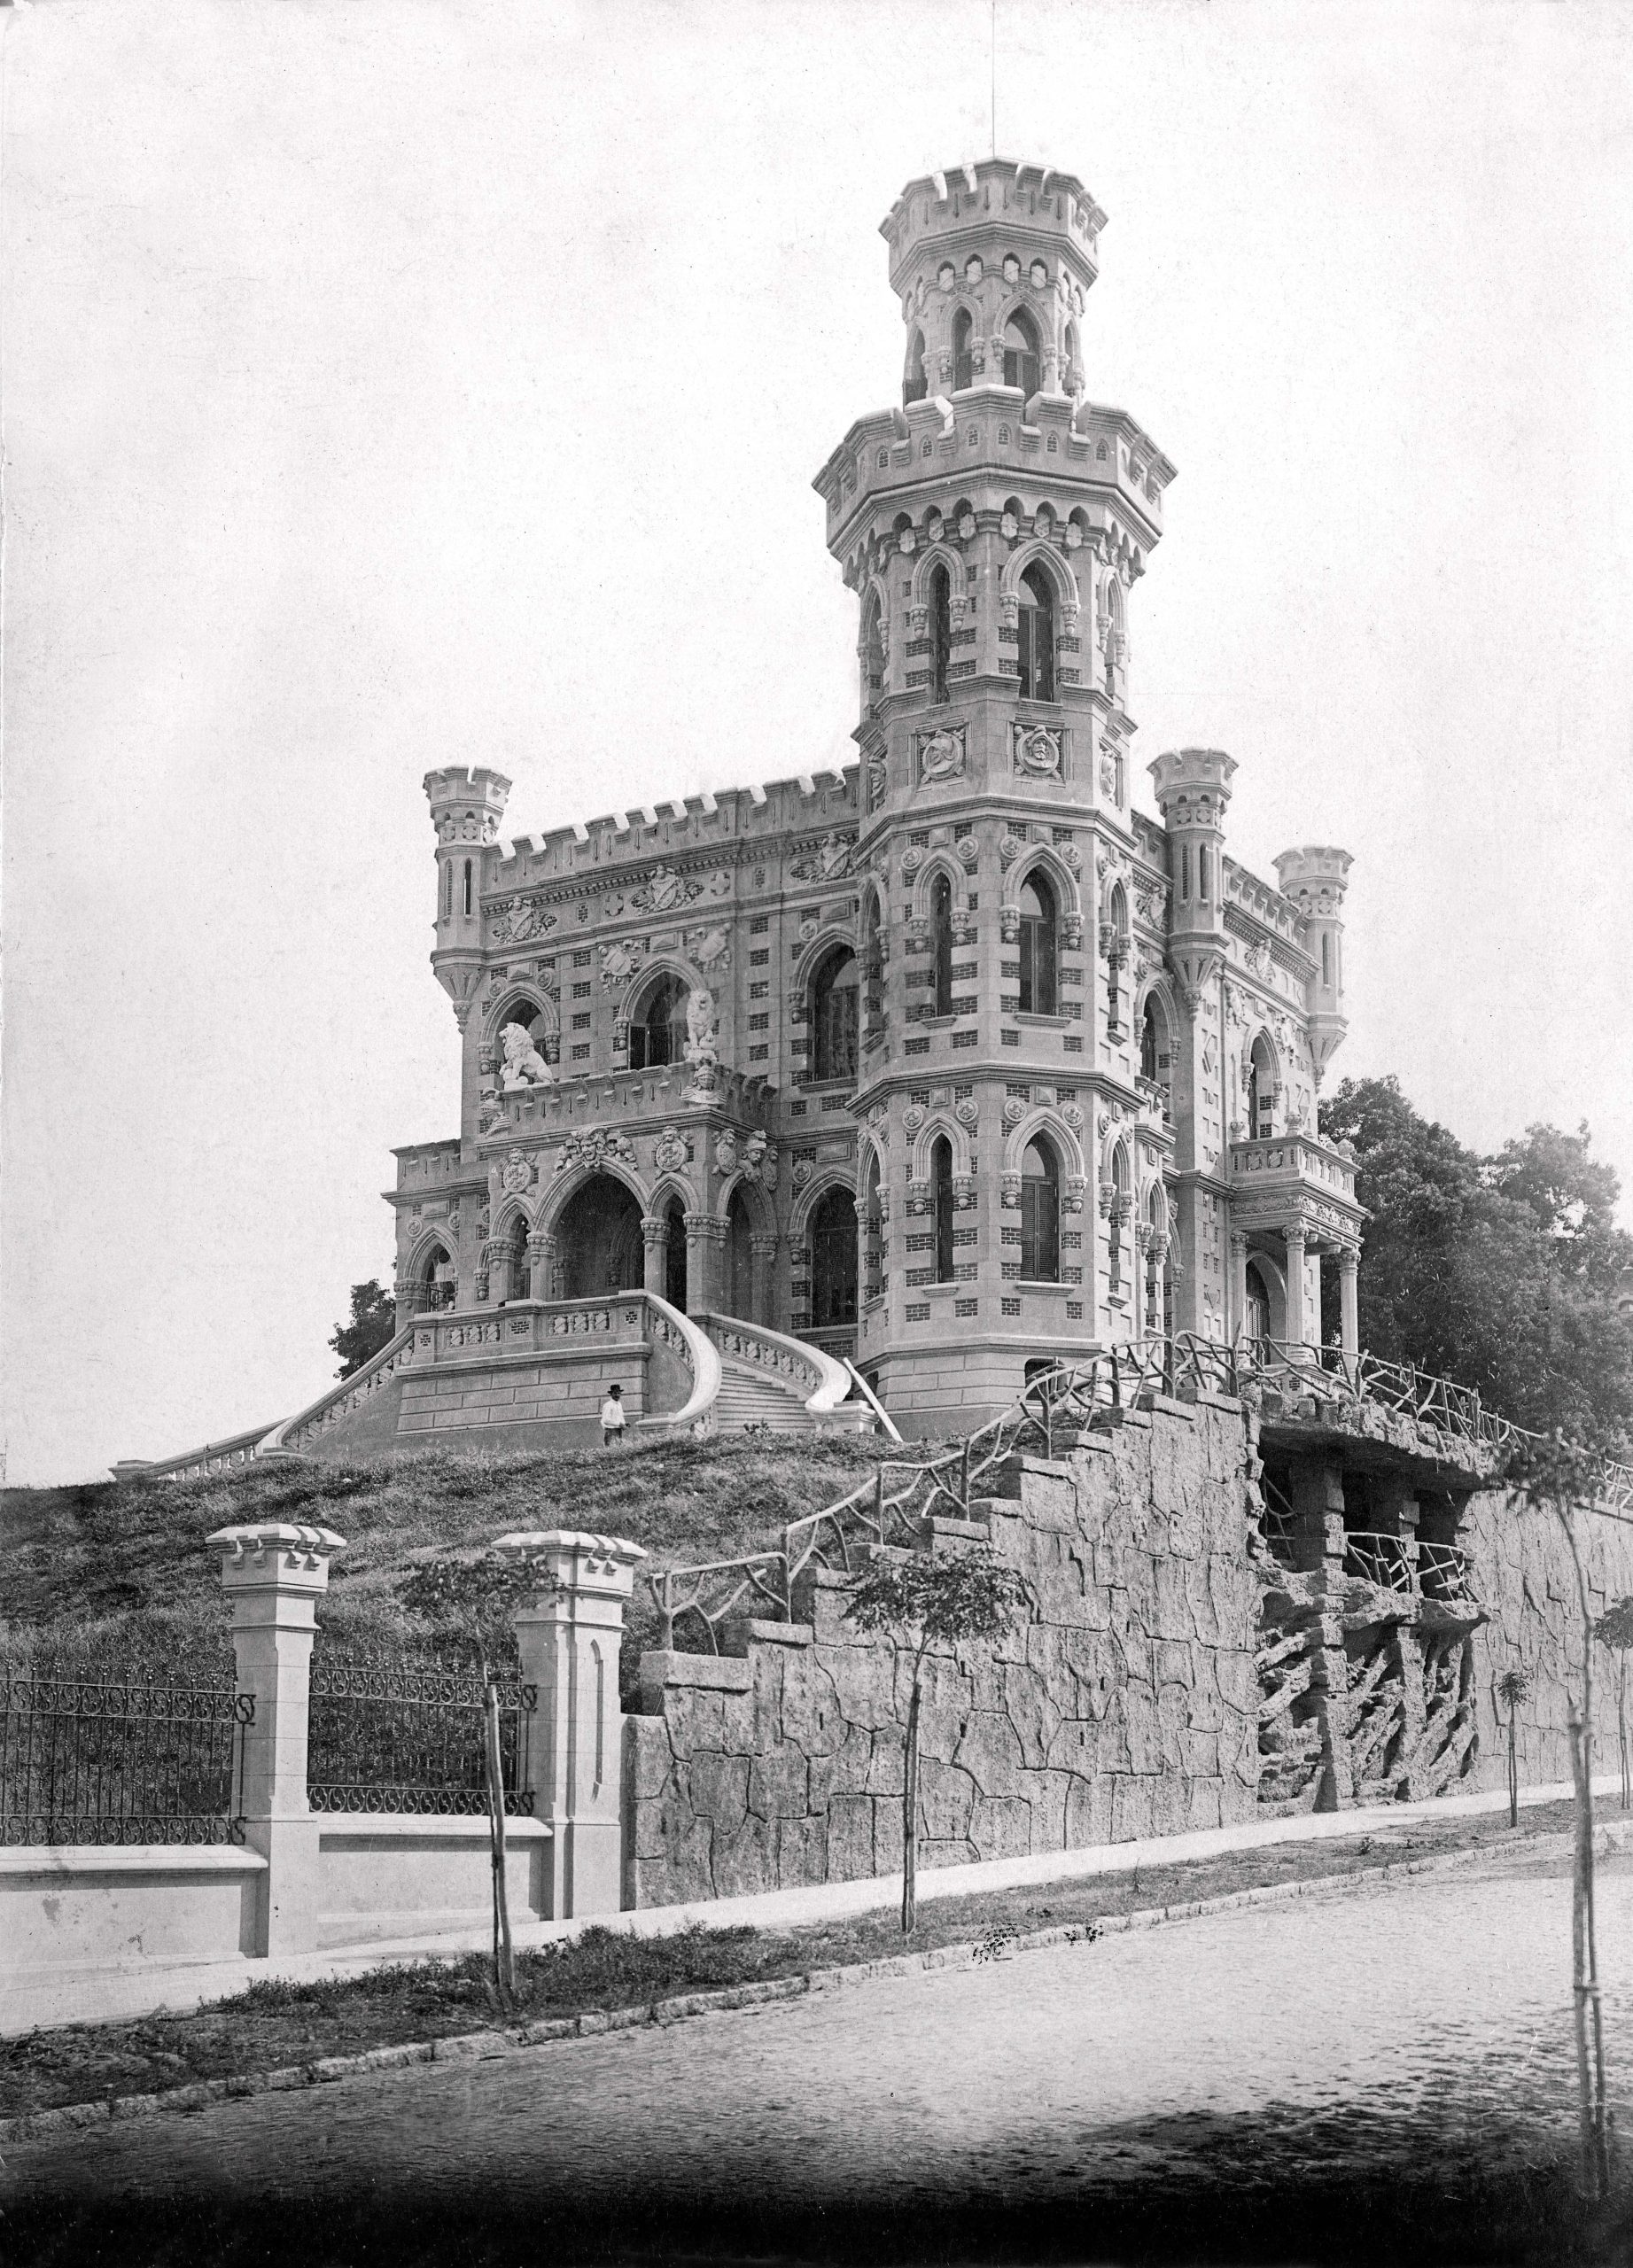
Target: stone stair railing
(791, 1365)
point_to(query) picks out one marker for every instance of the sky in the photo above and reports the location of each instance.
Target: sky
(441, 382)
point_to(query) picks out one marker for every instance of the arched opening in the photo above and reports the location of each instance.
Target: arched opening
(872, 649)
(941, 940)
(1261, 1091)
(1039, 995)
(1159, 1274)
(737, 1289)
(658, 1036)
(599, 1241)
(1074, 361)
(1327, 959)
(674, 1254)
(873, 965)
(872, 1231)
(1040, 1213)
(914, 385)
(1116, 953)
(1119, 1214)
(447, 888)
(1021, 366)
(1036, 635)
(940, 631)
(963, 357)
(833, 1262)
(834, 1000)
(468, 887)
(1255, 1320)
(1115, 648)
(941, 1183)
(513, 1263)
(1155, 1049)
(434, 1279)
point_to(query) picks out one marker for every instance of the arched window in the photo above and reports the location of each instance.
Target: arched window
(1155, 1052)
(1037, 636)
(833, 995)
(1021, 367)
(1184, 873)
(941, 940)
(914, 384)
(940, 631)
(674, 1254)
(833, 1262)
(1116, 954)
(1204, 872)
(1039, 994)
(1119, 1214)
(1261, 1091)
(1326, 958)
(514, 1277)
(447, 888)
(658, 1036)
(1040, 1214)
(963, 359)
(873, 650)
(739, 1257)
(941, 1183)
(1074, 361)
(436, 1278)
(872, 1231)
(1256, 1322)
(467, 907)
(1159, 1276)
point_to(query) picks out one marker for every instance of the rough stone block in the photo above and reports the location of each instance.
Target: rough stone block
(1132, 1807)
(887, 1840)
(743, 1862)
(778, 1783)
(649, 1756)
(717, 1788)
(1000, 1826)
(990, 1751)
(800, 1851)
(850, 1837)
(1088, 1812)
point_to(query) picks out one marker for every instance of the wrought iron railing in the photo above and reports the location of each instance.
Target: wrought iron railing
(87, 1760)
(388, 1734)
(1056, 1407)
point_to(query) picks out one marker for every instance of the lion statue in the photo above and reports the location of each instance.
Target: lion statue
(522, 1064)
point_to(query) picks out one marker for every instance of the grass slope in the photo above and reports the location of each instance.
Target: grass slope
(111, 1577)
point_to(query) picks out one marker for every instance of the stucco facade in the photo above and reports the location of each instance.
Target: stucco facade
(952, 1061)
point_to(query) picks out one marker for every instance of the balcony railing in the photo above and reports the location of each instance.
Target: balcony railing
(1294, 1160)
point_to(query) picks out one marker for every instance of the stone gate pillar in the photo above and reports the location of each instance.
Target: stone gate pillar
(273, 1575)
(570, 1634)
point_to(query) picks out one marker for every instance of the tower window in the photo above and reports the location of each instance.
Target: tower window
(940, 631)
(941, 937)
(1040, 1214)
(1204, 873)
(963, 358)
(941, 1179)
(1184, 873)
(1021, 366)
(1326, 958)
(468, 886)
(1038, 993)
(914, 385)
(1261, 1091)
(1037, 636)
(834, 998)
(447, 890)
(659, 1036)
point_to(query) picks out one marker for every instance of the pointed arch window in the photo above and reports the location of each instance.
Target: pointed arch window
(1159, 1275)
(1261, 1091)
(1074, 361)
(1120, 1202)
(835, 992)
(873, 650)
(833, 1262)
(1155, 1049)
(1040, 1213)
(659, 1035)
(1040, 992)
(468, 887)
(1036, 635)
(914, 385)
(1022, 364)
(447, 888)
(941, 942)
(941, 1183)
(963, 354)
(940, 631)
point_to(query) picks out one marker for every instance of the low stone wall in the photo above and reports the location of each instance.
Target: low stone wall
(66, 1906)
(383, 1876)
(1127, 1705)
(1523, 1577)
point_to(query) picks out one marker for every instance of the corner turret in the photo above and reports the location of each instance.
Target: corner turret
(466, 808)
(1315, 878)
(1193, 791)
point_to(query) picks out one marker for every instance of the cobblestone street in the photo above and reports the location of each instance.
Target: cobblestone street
(1383, 2073)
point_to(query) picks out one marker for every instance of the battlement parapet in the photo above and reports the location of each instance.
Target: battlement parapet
(681, 826)
(466, 806)
(1042, 209)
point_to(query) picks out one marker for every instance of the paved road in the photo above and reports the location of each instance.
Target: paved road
(1383, 2074)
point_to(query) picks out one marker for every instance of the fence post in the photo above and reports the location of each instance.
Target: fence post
(275, 1574)
(570, 1634)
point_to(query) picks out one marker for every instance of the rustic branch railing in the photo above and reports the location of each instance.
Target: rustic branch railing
(1056, 1407)
(1443, 1572)
(84, 1760)
(390, 1735)
(1379, 1558)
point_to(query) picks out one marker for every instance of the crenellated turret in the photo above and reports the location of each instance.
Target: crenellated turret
(1193, 791)
(466, 808)
(1315, 879)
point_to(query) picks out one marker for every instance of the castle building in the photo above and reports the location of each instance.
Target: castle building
(953, 1063)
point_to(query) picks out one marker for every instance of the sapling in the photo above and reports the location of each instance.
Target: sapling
(1512, 1688)
(1614, 1629)
(961, 1598)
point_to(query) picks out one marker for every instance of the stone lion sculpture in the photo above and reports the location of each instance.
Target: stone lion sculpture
(522, 1064)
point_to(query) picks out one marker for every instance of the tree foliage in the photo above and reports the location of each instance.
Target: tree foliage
(957, 1599)
(1499, 1271)
(373, 1323)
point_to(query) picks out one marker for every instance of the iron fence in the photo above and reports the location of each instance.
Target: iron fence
(86, 1760)
(390, 1734)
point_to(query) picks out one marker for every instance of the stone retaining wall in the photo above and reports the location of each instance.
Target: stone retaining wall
(1127, 1707)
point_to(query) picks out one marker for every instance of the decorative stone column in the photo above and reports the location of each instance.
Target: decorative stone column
(541, 1267)
(1238, 1317)
(570, 1634)
(705, 1240)
(655, 1240)
(1349, 1306)
(763, 1256)
(273, 1575)
(1294, 1327)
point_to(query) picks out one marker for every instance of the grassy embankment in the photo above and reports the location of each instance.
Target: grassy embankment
(276, 2026)
(116, 1579)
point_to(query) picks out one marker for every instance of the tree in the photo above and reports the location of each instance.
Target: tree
(373, 1325)
(1512, 1688)
(924, 1600)
(1499, 1272)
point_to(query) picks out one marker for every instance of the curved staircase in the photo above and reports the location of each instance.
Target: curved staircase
(768, 1378)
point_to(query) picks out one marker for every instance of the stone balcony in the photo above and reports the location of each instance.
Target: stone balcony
(1295, 1179)
(630, 1097)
